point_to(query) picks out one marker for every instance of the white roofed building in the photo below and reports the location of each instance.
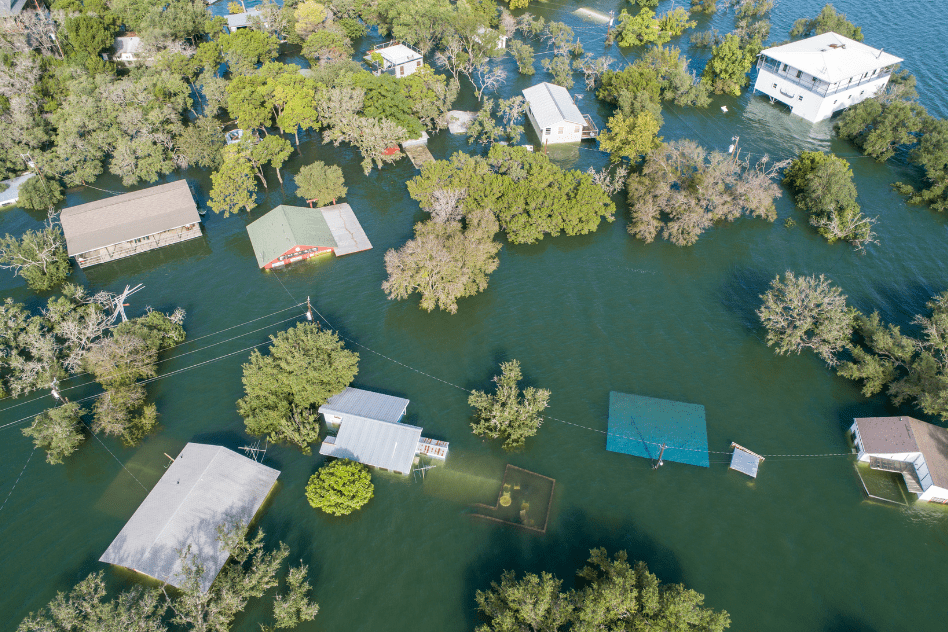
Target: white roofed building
(394, 58)
(127, 48)
(370, 431)
(554, 115)
(823, 74)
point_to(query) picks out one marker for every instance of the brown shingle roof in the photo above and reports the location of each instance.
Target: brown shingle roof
(121, 218)
(891, 435)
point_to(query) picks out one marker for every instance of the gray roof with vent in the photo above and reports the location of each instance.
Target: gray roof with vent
(205, 487)
(361, 403)
(114, 220)
(551, 105)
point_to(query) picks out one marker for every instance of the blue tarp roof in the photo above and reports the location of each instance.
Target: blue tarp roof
(638, 425)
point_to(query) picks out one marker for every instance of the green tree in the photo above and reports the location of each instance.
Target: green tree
(630, 136)
(879, 127)
(309, 16)
(40, 194)
(523, 55)
(327, 45)
(828, 20)
(508, 414)
(244, 49)
(444, 261)
(320, 183)
(201, 143)
(823, 185)
(57, 431)
(640, 29)
(282, 391)
(806, 312)
(233, 186)
(533, 604)
(431, 96)
(271, 150)
(91, 34)
(39, 257)
(248, 101)
(661, 74)
(340, 487)
(730, 62)
(294, 607)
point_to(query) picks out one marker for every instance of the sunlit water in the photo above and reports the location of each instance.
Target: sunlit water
(797, 549)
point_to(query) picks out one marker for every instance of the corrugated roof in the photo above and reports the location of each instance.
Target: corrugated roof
(286, 227)
(831, 57)
(391, 446)
(241, 20)
(206, 486)
(121, 218)
(346, 229)
(745, 462)
(355, 401)
(552, 104)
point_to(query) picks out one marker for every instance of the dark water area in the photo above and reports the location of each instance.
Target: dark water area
(799, 548)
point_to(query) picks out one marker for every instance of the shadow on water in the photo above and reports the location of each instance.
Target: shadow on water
(741, 293)
(843, 622)
(562, 552)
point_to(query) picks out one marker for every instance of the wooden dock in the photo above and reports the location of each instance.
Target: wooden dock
(418, 154)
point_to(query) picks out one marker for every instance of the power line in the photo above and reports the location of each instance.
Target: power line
(17, 479)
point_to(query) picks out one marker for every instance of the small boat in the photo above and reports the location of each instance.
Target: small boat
(233, 136)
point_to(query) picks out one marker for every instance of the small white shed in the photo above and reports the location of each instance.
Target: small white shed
(553, 114)
(394, 58)
(127, 48)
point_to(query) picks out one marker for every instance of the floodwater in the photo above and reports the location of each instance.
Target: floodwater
(798, 549)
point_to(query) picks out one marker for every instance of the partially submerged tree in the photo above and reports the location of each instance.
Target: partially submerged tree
(730, 62)
(823, 185)
(630, 136)
(58, 431)
(283, 390)
(806, 312)
(340, 487)
(320, 183)
(444, 261)
(40, 194)
(509, 414)
(828, 20)
(39, 257)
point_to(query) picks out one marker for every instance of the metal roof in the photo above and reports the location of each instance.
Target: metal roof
(130, 44)
(831, 57)
(346, 229)
(745, 461)
(205, 487)
(12, 192)
(286, 227)
(551, 105)
(391, 446)
(396, 54)
(355, 401)
(121, 218)
(639, 425)
(241, 20)
(895, 435)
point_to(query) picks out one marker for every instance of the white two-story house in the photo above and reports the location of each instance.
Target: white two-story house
(915, 449)
(823, 74)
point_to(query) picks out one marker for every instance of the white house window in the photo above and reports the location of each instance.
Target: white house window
(576, 129)
(799, 74)
(559, 130)
(418, 64)
(862, 93)
(801, 97)
(547, 130)
(785, 67)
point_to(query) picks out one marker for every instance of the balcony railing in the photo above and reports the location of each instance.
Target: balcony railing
(819, 86)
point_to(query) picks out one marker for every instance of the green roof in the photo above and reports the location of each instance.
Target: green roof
(286, 227)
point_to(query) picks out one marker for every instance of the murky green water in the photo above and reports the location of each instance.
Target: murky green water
(797, 549)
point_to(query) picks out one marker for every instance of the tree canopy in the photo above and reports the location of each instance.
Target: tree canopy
(827, 20)
(509, 414)
(340, 487)
(58, 431)
(320, 183)
(39, 256)
(616, 596)
(306, 365)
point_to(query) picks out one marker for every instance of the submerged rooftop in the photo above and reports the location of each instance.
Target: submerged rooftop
(639, 425)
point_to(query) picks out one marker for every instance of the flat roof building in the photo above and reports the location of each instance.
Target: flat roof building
(394, 58)
(823, 74)
(915, 449)
(125, 225)
(370, 431)
(241, 20)
(555, 117)
(206, 487)
(288, 234)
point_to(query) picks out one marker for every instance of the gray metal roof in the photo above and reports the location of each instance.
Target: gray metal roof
(368, 404)
(745, 462)
(286, 227)
(831, 57)
(205, 487)
(241, 20)
(551, 105)
(391, 446)
(121, 218)
(346, 229)
(12, 192)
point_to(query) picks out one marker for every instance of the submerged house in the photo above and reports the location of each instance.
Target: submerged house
(555, 117)
(205, 488)
(904, 445)
(823, 74)
(127, 48)
(370, 431)
(288, 234)
(394, 58)
(125, 225)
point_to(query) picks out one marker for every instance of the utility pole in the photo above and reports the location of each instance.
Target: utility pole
(55, 390)
(660, 462)
(309, 310)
